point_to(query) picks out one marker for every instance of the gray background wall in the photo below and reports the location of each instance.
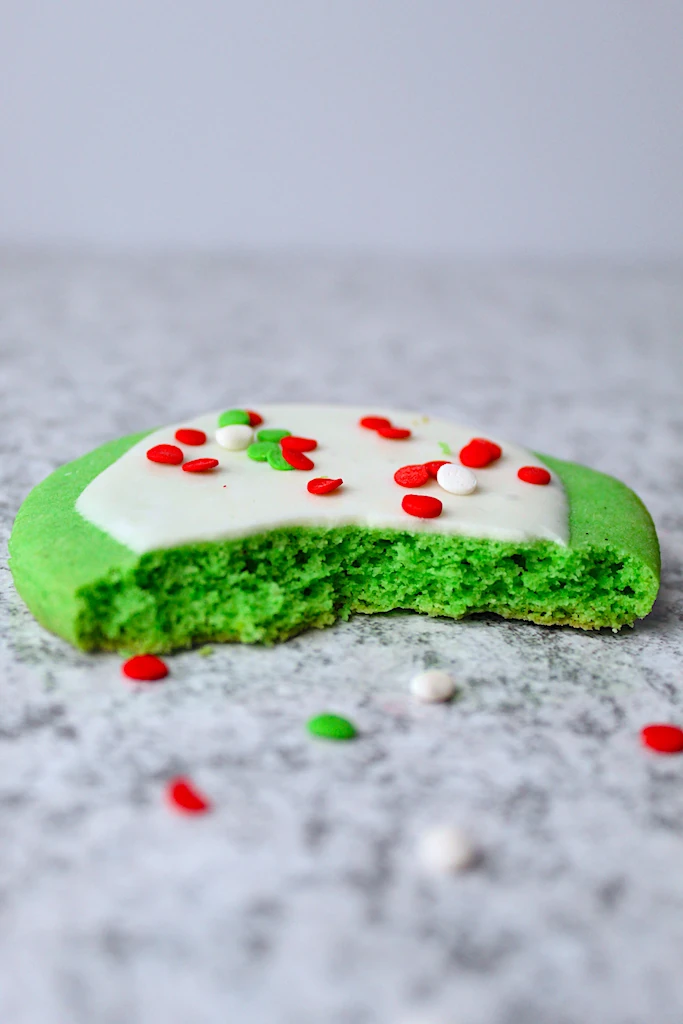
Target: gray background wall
(478, 127)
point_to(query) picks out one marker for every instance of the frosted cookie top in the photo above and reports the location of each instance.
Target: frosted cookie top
(146, 504)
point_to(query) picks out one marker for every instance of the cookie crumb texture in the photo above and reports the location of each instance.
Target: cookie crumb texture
(265, 587)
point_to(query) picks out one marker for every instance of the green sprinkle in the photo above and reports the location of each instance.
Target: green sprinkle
(230, 416)
(273, 435)
(276, 459)
(259, 450)
(331, 727)
(445, 448)
(205, 652)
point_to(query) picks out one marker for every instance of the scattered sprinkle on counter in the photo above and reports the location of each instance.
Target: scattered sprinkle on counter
(233, 416)
(200, 465)
(665, 739)
(183, 796)
(296, 458)
(433, 686)
(422, 506)
(169, 454)
(186, 435)
(331, 727)
(323, 485)
(235, 437)
(146, 668)
(411, 476)
(534, 475)
(445, 849)
(479, 453)
(456, 479)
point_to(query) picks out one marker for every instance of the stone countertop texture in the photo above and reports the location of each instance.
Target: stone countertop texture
(300, 899)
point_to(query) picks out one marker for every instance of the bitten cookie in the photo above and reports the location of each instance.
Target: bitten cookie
(252, 526)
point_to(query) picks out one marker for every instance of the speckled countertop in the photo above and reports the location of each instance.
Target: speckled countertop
(300, 899)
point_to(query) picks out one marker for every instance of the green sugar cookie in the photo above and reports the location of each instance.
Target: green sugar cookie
(117, 552)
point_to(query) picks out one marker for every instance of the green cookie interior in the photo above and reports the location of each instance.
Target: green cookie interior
(82, 584)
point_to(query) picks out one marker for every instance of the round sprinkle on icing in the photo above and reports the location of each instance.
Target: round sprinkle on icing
(331, 727)
(434, 467)
(432, 686)
(271, 434)
(255, 418)
(298, 444)
(200, 465)
(479, 453)
(146, 668)
(445, 849)
(411, 476)
(394, 433)
(165, 453)
(423, 506)
(374, 422)
(235, 437)
(296, 459)
(276, 459)
(230, 416)
(456, 479)
(186, 435)
(259, 450)
(184, 796)
(665, 739)
(534, 475)
(323, 485)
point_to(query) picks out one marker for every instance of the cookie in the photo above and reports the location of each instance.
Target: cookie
(191, 533)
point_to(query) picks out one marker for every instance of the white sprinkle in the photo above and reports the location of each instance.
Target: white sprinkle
(456, 479)
(235, 437)
(445, 849)
(432, 686)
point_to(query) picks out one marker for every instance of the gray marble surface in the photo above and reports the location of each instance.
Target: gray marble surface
(300, 898)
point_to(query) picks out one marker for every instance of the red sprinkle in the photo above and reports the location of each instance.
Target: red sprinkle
(254, 418)
(299, 444)
(534, 475)
(321, 485)
(200, 465)
(665, 739)
(182, 795)
(146, 668)
(374, 422)
(395, 433)
(168, 453)
(422, 505)
(434, 467)
(186, 435)
(480, 453)
(296, 459)
(411, 476)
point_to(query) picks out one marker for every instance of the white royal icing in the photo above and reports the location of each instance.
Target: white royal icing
(145, 505)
